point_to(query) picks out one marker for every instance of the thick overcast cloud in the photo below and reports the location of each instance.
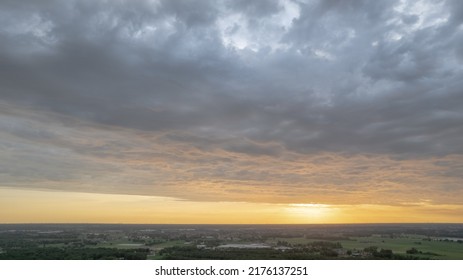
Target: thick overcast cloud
(307, 101)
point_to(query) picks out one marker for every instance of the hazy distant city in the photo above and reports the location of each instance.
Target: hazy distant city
(130, 242)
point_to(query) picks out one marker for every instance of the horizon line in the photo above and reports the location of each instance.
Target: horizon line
(244, 224)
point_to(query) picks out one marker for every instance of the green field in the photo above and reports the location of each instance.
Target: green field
(399, 245)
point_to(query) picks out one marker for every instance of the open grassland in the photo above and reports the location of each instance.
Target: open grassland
(432, 249)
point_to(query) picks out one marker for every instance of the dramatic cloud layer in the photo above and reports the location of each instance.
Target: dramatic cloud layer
(266, 101)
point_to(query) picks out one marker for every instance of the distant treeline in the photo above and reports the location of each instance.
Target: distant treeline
(193, 253)
(50, 253)
(320, 250)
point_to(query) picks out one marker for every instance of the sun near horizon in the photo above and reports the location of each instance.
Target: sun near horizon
(32, 206)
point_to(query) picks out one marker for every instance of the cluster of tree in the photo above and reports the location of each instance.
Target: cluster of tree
(323, 248)
(325, 244)
(34, 239)
(374, 252)
(451, 240)
(193, 253)
(67, 253)
(311, 251)
(283, 243)
(379, 253)
(414, 251)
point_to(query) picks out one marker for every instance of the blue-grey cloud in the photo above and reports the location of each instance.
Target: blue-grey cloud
(280, 80)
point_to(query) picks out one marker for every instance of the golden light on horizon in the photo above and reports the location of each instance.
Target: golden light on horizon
(33, 206)
(311, 212)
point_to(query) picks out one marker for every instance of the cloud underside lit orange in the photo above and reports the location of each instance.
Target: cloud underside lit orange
(91, 173)
(30, 206)
(90, 158)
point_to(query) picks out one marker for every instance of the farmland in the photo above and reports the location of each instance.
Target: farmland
(93, 241)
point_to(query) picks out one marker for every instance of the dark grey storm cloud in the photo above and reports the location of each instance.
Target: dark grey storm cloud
(309, 76)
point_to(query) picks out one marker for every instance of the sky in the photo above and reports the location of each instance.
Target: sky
(297, 111)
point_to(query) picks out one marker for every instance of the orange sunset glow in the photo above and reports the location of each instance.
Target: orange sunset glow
(63, 207)
(231, 112)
